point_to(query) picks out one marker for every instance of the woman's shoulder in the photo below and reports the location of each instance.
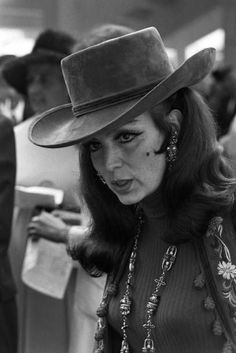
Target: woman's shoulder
(220, 238)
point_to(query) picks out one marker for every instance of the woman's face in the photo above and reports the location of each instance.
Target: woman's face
(127, 159)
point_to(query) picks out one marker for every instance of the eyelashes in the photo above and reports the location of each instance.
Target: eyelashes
(127, 136)
(122, 137)
(93, 146)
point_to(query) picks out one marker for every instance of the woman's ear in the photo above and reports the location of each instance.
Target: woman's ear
(175, 117)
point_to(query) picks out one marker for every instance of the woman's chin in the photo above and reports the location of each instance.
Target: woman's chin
(129, 200)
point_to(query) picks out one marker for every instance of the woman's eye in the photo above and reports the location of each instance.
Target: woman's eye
(94, 146)
(127, 137)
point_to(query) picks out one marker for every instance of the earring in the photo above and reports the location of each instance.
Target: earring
(101, 178)
(171, 150)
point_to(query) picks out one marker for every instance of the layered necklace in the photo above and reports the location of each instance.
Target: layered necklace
(126, 300)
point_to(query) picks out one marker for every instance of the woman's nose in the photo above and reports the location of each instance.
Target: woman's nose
(113, 158)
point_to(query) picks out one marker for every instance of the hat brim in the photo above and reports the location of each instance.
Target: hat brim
(15, 72)
(59, 128)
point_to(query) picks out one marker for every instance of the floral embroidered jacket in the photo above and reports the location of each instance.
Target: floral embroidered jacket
(217, 254)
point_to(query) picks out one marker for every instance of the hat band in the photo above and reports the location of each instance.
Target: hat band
(106, 102)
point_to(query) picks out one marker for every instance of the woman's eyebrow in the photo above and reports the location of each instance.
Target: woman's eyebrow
(130, 124)
(94, 139)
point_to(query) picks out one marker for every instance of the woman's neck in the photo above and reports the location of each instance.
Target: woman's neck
(152, 205)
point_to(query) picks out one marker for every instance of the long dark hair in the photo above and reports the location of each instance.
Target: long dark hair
(198, 185)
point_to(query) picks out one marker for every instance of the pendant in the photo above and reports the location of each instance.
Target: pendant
(148, 346)
(125, 304)
(124, 347)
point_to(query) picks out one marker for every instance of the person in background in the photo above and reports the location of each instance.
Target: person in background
(11, 102)
(160, 194)
(8, 309)
(37, 76)
(88, 290)
(221, 97)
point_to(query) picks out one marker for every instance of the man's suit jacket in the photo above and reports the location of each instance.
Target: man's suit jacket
(7, 183)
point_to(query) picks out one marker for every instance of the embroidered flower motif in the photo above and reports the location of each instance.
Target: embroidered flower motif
(229, 292)
(217, 328)
(199, 281)
(209, 303)
(227, 347)
(214, 232)
(227, 270)
(214, 226)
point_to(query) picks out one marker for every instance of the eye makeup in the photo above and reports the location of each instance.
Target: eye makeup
(126, 135)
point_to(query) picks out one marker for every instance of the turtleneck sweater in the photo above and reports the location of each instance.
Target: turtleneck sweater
(182, 324)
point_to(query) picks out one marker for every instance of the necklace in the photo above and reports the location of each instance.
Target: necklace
(152, 305)
(153, 302)
(126, 301)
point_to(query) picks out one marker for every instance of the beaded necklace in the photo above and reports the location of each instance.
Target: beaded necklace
(126, 301)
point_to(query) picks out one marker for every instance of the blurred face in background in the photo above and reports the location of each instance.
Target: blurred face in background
(9, 100)
(45, 87)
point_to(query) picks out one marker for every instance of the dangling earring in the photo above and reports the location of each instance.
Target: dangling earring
(171, 150)
(101, 178)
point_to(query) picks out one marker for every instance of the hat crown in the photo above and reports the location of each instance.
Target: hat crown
(116, 67)
(54, 41)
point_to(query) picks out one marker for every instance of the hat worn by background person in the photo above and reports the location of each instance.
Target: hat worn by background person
(50, 47)
(105, 89)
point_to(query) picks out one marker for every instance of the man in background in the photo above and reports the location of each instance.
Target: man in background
(37, 76)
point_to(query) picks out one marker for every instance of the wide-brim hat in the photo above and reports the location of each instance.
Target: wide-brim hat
(50, 48)
(113, 82)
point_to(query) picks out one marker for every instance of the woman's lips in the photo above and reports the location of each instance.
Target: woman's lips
(121, 186)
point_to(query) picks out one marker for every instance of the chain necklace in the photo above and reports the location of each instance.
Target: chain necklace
(153, 302)
(126, 301)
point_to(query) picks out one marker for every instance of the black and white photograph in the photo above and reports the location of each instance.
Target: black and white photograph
(117, 176)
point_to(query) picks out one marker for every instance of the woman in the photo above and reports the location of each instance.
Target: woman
(159, 192)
